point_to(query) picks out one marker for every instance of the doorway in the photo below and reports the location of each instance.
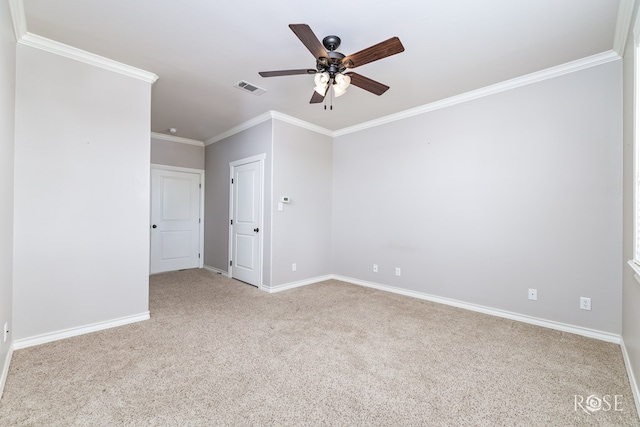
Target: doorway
(176, 219)
(246, 206)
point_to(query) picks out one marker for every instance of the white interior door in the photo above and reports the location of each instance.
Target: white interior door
(246, 213)
(175, 220)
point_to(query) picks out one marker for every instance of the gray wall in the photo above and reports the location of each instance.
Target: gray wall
(176, 154)
(302, 170)
(480, 201)
(7, 118)
(81, 252)
(631, 288)
(250, 142)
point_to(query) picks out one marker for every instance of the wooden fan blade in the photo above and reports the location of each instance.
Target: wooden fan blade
(367, 84)
(373, 53)
(316, 98)
(311, 42)
(286, 72)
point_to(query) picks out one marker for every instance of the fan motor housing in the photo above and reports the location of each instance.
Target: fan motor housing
(333, 64)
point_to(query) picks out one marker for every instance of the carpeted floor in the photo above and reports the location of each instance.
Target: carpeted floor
(219, 352)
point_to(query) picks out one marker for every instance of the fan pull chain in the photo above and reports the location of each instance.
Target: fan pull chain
(330, 93)
(330, 85)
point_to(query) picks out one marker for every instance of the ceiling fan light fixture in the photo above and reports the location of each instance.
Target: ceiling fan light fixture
(322, 82)
(321, 78)
(331, 64)
(321, 88)
(343, 81)
(338, 91)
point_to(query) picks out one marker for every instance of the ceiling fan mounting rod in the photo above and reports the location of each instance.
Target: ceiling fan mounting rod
(331, 43)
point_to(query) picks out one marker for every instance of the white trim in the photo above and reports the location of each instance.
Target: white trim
(242, 126)
(5, 370)
(636, 144)
(301, 123)
(535, 77)
(276, 115)
(632, 379)
(61, 49)
(299, 283)
(274, 160)
(178, 169)
(625, 14)
(564, 327)
(636, 269)
(260, 158)
(586, 332)
(19, 18)
(179, 139)
(81, 330)
(26, 38)
(570, 67)
(201, 210)
(215, 270)
(636, 30)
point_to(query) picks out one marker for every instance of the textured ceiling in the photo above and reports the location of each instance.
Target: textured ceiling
(201, 48)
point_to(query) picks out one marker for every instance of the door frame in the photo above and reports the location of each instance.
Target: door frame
(201, 201)
(260, 158)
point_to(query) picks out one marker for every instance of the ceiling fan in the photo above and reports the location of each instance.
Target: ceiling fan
(331, 65)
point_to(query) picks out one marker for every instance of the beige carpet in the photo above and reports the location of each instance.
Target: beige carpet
(219, 352)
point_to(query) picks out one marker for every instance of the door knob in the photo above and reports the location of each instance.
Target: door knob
(256, 229)
(154, 226)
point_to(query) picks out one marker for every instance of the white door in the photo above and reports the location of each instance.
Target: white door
(175, 220)
(245, 222)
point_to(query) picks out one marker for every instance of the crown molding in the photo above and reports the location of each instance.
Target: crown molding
(263, 118)
(26, 38)
(301, 123)
(538, 76)
(61, 49)
(623, 22)
(236, 129)
(549, 73)
(19, 18)
(172, 138)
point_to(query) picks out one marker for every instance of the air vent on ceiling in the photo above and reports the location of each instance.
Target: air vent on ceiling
(249, 87)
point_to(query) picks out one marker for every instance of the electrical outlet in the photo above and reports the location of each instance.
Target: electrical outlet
(375, 268)
(294, 267)
(5, 331)
(397, 271)
(533, 294)
(585, 303)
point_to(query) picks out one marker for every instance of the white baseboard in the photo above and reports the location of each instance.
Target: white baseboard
(291, 285)
(632, 378)
(5, 369)
(215, 270)
(586, 332)
(564, 327)
(81, 330)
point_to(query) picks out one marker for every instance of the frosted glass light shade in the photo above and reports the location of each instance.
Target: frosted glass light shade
(321, 78)
(338, 91)
(321, 88)
(341, 84)
(322, 82)
(343, 81)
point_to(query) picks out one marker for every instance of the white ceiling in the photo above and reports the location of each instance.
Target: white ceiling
(201, 48)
